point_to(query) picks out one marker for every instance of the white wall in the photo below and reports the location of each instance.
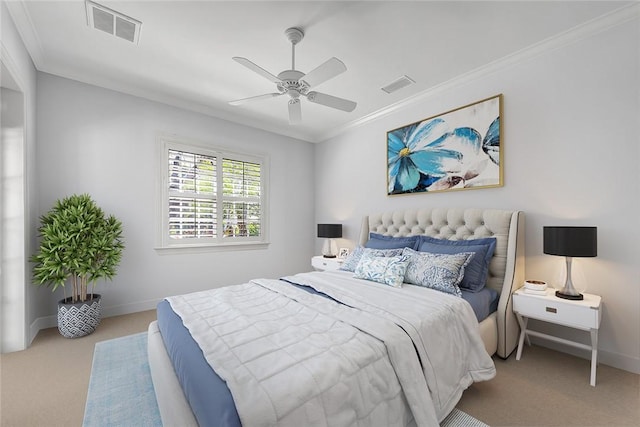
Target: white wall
(105, 143)
(19, 191)
(571, 154)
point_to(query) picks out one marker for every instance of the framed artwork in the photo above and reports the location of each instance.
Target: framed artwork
(343, 253)
(459, 149)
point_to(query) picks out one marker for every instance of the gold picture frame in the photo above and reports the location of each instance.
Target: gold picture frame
(455, 150)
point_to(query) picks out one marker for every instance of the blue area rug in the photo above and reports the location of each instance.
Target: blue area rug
(121, 391)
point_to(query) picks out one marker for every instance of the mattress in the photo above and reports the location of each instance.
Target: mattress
(208, 395)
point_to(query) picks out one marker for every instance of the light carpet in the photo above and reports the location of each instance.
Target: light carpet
(121, 391)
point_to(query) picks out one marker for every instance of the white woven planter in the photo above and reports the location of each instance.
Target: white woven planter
(76, 320)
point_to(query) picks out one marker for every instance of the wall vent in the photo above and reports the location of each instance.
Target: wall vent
(397, 84)
(115, 23)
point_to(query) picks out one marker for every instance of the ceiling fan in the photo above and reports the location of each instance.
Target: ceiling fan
(296, 83)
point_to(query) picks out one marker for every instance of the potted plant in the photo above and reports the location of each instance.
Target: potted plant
(80, 245)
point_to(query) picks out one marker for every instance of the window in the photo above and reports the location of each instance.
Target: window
(211, 196)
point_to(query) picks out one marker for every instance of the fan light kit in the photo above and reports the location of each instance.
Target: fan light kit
(296, 83)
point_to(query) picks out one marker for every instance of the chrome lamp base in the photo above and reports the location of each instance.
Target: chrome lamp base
(560, 294)
(329, 249)
(568, 291)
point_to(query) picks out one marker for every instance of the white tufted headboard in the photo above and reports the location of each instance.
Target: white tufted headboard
(506, 270)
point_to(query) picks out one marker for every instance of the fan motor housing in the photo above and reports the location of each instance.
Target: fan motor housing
(291, 83)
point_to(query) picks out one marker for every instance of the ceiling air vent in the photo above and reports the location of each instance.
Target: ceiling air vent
(115, 23)
(395, 85)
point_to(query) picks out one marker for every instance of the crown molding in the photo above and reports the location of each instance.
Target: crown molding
(9, 63)
(22, 20)
(597, 25)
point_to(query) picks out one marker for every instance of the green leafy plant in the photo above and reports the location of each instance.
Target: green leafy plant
(80, 244)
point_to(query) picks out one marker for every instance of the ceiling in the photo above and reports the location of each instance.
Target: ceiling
(184, 53)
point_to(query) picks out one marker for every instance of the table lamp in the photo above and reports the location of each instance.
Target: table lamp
(570, 242)
(330, 232)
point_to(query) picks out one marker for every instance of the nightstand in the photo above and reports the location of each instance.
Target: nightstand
(326, 264)
(582, 314)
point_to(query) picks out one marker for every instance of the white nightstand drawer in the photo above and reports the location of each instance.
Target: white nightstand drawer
(322, 263)
(557, 311)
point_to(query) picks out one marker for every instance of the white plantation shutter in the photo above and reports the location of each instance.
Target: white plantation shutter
(211, 197)
(192, 195)
(241, 192)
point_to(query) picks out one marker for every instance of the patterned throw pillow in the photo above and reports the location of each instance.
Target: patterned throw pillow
(442, 272)
(354, 257)
(386, 270)
(477, 271)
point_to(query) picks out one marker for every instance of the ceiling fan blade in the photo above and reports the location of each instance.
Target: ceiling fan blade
(331, 101)
(253, 98)
(324, 72)
(295, 111)
(256, 69)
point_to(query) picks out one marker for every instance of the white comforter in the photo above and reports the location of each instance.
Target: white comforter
(386, 356)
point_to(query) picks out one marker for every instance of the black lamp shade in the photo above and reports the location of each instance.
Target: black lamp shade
(570, 241)
(330, 231)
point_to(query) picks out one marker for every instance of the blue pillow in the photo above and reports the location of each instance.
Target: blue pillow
(477, 271)
(379, 241)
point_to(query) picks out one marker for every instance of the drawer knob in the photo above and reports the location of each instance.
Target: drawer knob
(552, 310)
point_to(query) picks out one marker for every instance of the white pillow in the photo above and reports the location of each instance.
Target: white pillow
(442, 272)
(386, 270)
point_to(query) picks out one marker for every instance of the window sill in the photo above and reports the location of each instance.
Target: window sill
(200, 248)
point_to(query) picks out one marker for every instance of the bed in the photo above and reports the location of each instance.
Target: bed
(356, 323)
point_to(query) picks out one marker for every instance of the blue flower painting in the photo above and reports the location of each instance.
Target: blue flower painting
(455, 150)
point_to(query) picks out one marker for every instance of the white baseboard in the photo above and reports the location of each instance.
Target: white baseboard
(620, 361)
(41, 323)
(609, 358)
(114, 310)
(117, 310)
